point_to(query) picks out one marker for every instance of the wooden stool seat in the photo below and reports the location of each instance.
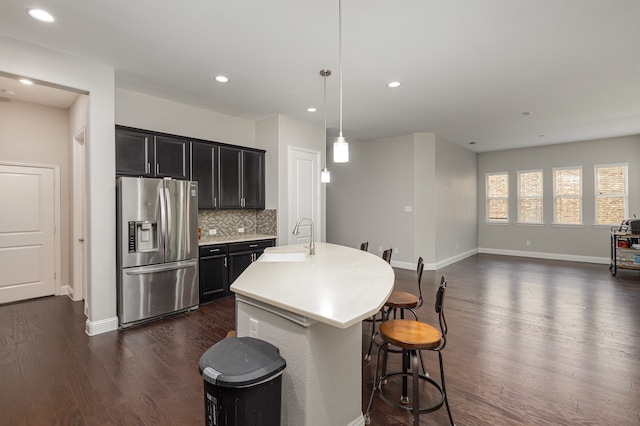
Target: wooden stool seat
(410, 334)
(402, 300)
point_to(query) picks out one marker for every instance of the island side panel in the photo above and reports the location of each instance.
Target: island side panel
(322, 383)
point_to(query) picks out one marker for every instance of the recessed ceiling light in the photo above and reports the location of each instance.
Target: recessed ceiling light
(26, 82)
(312, 109)
(541, 136)
(472, 143)
(222, 79)
(525, 114)
(394, 84)
(41, 15)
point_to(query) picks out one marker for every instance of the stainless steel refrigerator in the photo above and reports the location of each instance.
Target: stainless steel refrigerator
(157, 248)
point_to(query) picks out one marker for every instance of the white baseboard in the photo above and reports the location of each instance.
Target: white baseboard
(552, 256)
(435, 266)
(93, 328)
(66, 290)
(403, 265)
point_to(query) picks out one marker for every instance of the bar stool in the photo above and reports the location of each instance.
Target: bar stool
(386, 255)
(412, 337)
(401, 300)
(364, 246)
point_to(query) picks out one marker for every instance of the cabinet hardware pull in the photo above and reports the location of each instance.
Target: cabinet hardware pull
(157, 169)
(215, 201)
(225, 261)
(147, 169)
(253, 245)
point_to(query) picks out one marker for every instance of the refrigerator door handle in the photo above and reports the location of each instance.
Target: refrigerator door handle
(163, 218)
(141, 270)
(169, 221)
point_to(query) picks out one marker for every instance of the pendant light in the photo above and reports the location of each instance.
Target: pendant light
(325, 175)
(340, 144)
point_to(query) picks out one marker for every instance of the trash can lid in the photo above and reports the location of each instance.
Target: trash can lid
(237, 362)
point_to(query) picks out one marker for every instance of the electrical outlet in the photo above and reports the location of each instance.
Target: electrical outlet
(253, 327)
(380, 249)
(528, 242)
(240, 230)
(212, 232)
(408, 209)
(396, 251)
(457, 245)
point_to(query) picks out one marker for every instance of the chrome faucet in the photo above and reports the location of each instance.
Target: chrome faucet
(296, 231)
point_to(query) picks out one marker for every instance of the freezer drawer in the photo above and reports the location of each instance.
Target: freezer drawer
(150, 291)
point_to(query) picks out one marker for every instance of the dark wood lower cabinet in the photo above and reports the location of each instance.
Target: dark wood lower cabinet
(214, 276)
(241, 255)
(222, 264)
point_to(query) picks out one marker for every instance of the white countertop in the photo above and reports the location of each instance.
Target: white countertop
(225, 239)
(339, 285)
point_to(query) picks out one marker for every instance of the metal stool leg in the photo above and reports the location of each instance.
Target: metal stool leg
(444, 389)
(376, 380)
(416, 397)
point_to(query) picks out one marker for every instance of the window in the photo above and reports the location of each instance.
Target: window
(567, 196)
(611, 193)
(530, 196)
(497, 190)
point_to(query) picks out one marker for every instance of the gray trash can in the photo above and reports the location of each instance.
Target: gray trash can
(242, 383)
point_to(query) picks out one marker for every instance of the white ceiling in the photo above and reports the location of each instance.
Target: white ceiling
(468, 68)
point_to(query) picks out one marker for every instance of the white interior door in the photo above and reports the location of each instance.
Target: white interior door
(304, 193)
(79, 217)
(27, 215)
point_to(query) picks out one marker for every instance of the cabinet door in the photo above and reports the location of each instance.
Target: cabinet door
(204, 169)
(253, 180)
(134, 153)
(214, 280)
(230, 168)
(172, 159)
(238, 262)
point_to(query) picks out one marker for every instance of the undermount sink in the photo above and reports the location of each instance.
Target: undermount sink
(282, 257)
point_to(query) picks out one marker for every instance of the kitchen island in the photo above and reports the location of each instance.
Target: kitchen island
(311, 308)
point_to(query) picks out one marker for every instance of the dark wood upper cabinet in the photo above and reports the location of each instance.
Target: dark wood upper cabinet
(230, 172)
(204, 169)
(135, 153)
(172, 158)
(241, 178)
(141, 153)
(228, 177)
(253, 180)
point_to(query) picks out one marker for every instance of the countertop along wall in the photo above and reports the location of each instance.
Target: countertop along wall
(581, 243)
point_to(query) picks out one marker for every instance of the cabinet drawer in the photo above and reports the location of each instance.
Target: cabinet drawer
(214, 250)
(250, 245)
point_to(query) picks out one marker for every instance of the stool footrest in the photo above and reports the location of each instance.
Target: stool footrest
(384, 379)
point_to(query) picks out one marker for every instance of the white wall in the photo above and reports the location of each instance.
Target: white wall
(456, 200)
(45, 65)
(435, 178)
(588, 242)
(424, 164)
(161, 115)
(367, 196)
(38, 134)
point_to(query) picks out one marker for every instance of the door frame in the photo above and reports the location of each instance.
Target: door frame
(317, 220)
(58, 289)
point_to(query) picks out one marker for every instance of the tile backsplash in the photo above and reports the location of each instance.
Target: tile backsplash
(227, 222)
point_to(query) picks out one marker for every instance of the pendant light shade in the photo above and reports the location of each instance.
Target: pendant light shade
(340, 144)
(340, 150)
(325, 175)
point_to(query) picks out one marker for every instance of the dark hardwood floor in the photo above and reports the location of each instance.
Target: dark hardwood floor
(531, 342)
